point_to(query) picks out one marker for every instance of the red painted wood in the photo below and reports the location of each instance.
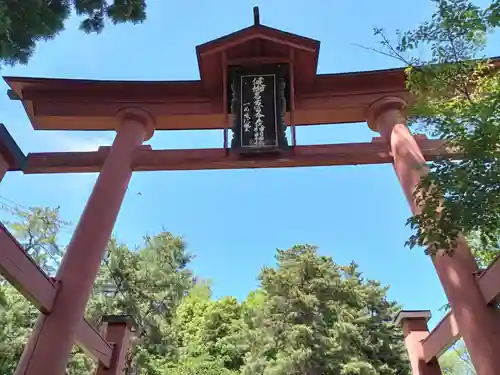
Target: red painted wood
(24, 274)
(36, 286)
(144, 159)
(55, 338)
(478, 322)
(415, 331)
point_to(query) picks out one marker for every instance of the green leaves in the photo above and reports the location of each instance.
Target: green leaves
(147, 284)
(457, 98)
(456, 361)
(322, 318)
(37, 230)
(310, 316)
(24, 23)
(17, 317)
(97, 11)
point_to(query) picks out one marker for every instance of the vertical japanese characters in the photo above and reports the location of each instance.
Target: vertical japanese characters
(258, 128)
(258, 106)
(258, 87)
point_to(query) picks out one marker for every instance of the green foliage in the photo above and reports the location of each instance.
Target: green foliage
(213, 328)
(457, 98)
(37, 231)
(198, 366)
(310, 315)
(322, 318)
(24, 23)
(17, 317)
(147, 284)
(456, 361)
(485, 254)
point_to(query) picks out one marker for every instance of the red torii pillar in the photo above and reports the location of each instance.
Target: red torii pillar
(479, 323)
(118, 333)
(50, 345)
(415, 330)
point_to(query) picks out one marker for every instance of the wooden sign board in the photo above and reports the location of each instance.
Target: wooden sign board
(258, 106)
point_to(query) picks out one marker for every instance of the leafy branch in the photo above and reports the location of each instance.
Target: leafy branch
(456, 96)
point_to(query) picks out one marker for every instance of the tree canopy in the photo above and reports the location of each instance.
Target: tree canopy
(309, 316)
(456, 92)
(456, 361)
(24, 23)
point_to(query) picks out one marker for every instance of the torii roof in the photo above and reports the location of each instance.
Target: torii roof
(263, 42)
(74, 104)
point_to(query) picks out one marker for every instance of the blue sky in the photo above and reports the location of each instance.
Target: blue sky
(352, 213)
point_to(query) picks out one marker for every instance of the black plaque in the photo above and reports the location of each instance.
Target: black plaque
(258, 106)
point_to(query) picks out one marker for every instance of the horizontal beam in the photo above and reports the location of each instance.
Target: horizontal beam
(54, 104)
(447, 332)
(68, 104)
(10, 150)
(92, 114)
(145, 159)
(441, 338)
(24, 274)
(35, 285)
(489, 282)
(93, 344)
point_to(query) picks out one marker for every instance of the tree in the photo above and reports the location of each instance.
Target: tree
(485, 253)
(204, 365)
(17, 317)
(456, 361)
(457, 98)
(322, 318)
(208, 334)
(211, 329)
(37, 230)
(24, 23)
(147, 284)
(309, 316)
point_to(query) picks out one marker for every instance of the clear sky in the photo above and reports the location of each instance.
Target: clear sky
(352, 213)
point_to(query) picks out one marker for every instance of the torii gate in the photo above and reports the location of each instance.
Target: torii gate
(256, 82)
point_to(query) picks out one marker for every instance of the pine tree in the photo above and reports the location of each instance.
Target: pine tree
(322, 318)
(24, 23)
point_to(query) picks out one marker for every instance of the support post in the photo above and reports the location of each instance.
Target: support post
(4, 167)
(11, 156)
(119, 333)
(478, 322)
(415, 330)
(52, 342)
(292, 98)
